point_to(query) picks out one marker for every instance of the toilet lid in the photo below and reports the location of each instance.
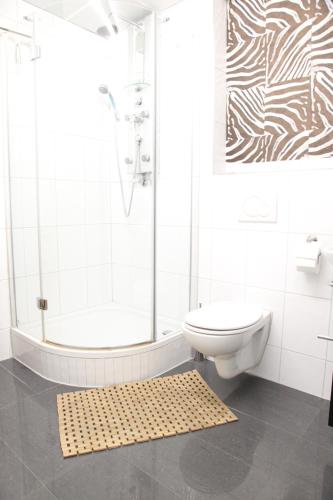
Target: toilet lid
(222, 316)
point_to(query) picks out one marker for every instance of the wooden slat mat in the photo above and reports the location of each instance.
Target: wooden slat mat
(100, 419)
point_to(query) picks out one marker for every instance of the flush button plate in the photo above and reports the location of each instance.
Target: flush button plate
(259, 207)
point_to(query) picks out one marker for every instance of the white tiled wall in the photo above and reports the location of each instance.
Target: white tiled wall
(255, 262)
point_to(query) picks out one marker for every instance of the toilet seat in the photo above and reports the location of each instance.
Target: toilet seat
(224, 318)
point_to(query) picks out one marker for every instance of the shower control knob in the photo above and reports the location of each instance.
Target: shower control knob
(139, 102)
(145, 158)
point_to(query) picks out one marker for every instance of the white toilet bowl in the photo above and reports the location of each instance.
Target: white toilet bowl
(234, 334)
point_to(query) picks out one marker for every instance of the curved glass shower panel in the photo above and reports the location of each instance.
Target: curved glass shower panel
(95, 125)
(18, 82)
(175, 199)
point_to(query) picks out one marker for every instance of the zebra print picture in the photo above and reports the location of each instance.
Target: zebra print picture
(279, 80)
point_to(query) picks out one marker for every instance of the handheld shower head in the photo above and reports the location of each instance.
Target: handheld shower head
(104, 89)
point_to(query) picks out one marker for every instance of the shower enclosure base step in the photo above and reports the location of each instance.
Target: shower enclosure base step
(99, 367)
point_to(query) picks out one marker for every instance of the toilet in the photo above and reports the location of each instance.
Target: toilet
(233, 334)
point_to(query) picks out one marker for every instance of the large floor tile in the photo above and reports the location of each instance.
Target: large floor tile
(42, 494)
(281, 406)
(192, 469)
(280, 449)
(11, 389)
(16, 481)
(34, 382)
(30, 428)
(108, 478)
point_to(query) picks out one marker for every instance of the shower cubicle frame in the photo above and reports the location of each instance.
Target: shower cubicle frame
(30, 35)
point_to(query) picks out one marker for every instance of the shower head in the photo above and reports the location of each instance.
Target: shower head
(104, 89)
(103, 31)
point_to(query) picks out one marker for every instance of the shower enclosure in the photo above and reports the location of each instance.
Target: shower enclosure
(100, 232)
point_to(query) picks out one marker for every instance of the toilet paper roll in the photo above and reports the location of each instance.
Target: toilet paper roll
(308, 258)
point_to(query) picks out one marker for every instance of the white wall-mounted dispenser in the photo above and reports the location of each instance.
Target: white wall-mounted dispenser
(308, 256)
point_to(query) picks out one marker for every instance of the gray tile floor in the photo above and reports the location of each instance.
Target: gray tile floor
(281, 448)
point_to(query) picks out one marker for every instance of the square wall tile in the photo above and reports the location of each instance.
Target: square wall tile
(73, 290)
(99, 282)
(273, 301)
(266, 258)
(229, 250)
(5, 344)
(311, 202)
(98, 244)
(131, 245)
(31, 251)
(301, 372)
(173, 249)
(305, 318)
(70, 202)
(204, 287)
(49, 249)
(329, 355)
(269, 366)
(121, 275)
(141, 289)
(172, 295)
(204, 251)
(72, 247)
(48, 202)
(98, 203)
(5, 319)
(3, 254)
(173, 202)
(51, 292)
(226, 291)
(24, 206)
(18, 252)
(23, 157)
(69, 157)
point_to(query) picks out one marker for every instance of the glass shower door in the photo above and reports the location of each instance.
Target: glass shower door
(18, 89)
(95, 127)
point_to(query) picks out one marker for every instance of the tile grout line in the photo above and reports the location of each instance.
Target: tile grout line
(42, 484)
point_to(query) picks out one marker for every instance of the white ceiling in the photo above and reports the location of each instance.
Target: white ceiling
(89, 13)
(160, 4)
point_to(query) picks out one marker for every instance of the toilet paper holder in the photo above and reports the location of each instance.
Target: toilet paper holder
(308, 256)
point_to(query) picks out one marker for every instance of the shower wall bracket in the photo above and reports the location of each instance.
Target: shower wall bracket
(42, 304)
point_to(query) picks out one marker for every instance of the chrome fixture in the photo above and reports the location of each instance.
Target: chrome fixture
(137, 117)
(110, 15)
(138, 176)
(104, 89)
(144, 178)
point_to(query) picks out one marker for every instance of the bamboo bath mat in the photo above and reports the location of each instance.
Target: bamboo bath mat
(100, 419)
